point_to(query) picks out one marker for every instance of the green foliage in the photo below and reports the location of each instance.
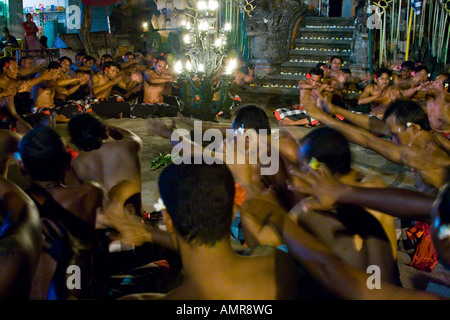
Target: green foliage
(161, 162)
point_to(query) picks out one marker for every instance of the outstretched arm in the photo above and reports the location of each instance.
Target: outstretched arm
(326, 191)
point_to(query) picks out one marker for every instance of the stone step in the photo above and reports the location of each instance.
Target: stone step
(305, 40)
(326, 32)
(309, 20)
(319, 45)
(319, 54)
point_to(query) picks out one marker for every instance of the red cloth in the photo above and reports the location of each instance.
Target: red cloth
(30, 28)
(239, 195)
(425, 256)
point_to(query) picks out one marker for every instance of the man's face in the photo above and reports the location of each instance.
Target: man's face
(315, 80)
(11, 69)
(112, 72)
(65, 65)
(406, 73)
(129, 58)
(400, 134)
(383, 80)
(27, 63)
(336, 64)
(421, 76)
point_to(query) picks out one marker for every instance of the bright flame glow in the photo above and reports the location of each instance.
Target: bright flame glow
(186, 38)
(178, 67)
(232, 64)
(218, 42)
(203, 26)
(213, 5)
(188, 25)
(188, 66)
(201, 5)
(228, 26)
(201, 67)
(145, 25)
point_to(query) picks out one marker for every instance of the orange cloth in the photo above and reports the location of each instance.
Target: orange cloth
(425, 256)
(239, 195)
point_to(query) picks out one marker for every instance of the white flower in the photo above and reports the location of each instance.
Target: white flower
(444, 232)
(159, 206)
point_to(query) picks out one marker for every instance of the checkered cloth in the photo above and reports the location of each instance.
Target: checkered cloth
(295, 113)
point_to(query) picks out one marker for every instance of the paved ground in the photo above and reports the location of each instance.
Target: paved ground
(366, 160)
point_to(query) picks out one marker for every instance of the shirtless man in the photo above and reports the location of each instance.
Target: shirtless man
(102, 85)
(108, 155)
(157, 84)
(419, 84)
(11, 85)
(360, 237)
(204, 241)
(46, 92)
(404, 79)
(413, 143)
(298, 116)
(20, 242)
(379, 95)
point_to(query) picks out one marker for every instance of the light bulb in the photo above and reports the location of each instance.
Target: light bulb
(201, 67)
(186, 38)
(188, 66)
(201, 5)
(228, 26)
(212, 5)
(178, 67)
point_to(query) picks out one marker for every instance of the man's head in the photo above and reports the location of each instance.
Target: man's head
(111, 69)
(403, 118)
(88, 61)
(251, 117)
(9, 67)
(328, 146)
(106, 57)
(199, 199)
(383, 77)
(160, 65)
(55, 66)
(407, 68)
(421, 74)
(65, 62)
(129, 57)
(80, 55)
(335, 63)
(315, 76)
(86, 132)
(442, 81)
(6, 31)
(26, 62)
(28, 16)
(43, 154)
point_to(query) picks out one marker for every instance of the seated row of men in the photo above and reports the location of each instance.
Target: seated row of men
(406, 81)
(68, 89)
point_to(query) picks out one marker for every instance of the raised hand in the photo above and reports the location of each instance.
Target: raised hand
(320, 183)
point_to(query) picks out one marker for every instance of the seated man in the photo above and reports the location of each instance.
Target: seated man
(44, 99)
(20, 242)
(157, 92)
(358, 236)
(68, 214)
(297, 116)
(108, 155)
(105, 105)
(379, 95)
(404, 79)
(201, 228)
(418, 89)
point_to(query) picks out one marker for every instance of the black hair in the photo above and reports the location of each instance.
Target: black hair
(316, 71)
(336, 57)
(86, 132)
(200, 207)
(4, 61)
(328, 146)
(44, 154)
(321, 64)
(5, 29)
(89, 58)
(409, 65)
(80, 53)
(65, 58)
(109, 64)
(43, 40)
(53, 65)
(251, 117)
(380, 71)
(408, 111)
